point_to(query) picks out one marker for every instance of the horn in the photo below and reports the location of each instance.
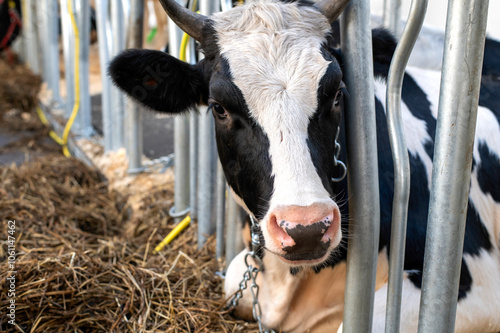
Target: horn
(189, 21)
(331, 8)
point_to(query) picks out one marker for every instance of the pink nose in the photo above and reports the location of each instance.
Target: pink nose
(304, 232)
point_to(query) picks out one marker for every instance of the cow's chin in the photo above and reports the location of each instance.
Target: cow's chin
(304, 262)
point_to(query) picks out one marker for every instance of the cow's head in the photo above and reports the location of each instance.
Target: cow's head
(276, 93)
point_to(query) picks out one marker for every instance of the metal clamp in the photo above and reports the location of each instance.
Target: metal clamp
(174, 214)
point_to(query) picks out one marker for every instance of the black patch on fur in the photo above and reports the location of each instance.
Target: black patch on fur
(295, 270)
(242, 145)
(323, 125)
(488, 172)
(491, 62)
(488, 95)
(476, 235)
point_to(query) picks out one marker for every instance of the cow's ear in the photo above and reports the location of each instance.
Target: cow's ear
(158, 80)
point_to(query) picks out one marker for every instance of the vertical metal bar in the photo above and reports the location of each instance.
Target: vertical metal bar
(206, 170)
(133, 114)
(182, 170)
(103, 31)
(84, 118)
(457, 113)
(235, 216)
(30, 32)
(401, 163)
(392, 14)
(361, 141)
(117, 98)
(193, 149)
(52, 46)
(43, 35)
(193, 165)
(69, 56)
(220, 211)
(181, 136)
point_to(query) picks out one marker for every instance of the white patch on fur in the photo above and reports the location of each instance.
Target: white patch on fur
(410, 303)
(415, 130)
(274, 55)
(487, 132)
(478, 311)
(430, 83)
(487, 208)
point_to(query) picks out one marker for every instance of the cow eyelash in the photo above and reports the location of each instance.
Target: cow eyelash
(338, 97)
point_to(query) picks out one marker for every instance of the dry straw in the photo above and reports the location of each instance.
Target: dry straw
(78, 272)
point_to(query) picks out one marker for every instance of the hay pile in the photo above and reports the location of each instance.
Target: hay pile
(19, 89)
(77, 273)
(77, 269)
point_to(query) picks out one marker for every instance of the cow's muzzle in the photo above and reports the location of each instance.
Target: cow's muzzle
(305, 233)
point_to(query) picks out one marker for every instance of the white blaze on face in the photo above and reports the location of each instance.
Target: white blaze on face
(274, 54)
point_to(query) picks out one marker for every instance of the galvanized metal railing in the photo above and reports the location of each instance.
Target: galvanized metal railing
(401, 163)
(361, 139)
(133, 113)
(391, 17)
(456, 124)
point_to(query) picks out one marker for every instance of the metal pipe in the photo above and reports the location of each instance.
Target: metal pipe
(103, 31)
(206, 177)
(362, 163)
(69, 56)
(52, 45)
(401, 164)
(220, 212)
(392, 14)
(133, 114)
(235, 217)
(43, 34)
(181, 137)
(117, 98)
(84, 118)
(456, 123)
(193, 144)
(193, 164)
(206, 170)
(30, 31)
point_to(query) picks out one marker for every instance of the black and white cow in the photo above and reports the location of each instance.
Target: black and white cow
(274, 86)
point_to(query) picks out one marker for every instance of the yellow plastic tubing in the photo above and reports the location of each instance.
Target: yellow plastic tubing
(173, 234)
(64, 140)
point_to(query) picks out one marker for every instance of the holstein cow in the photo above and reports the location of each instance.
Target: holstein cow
(274, 86)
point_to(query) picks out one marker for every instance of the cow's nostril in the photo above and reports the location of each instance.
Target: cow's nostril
(278, 232)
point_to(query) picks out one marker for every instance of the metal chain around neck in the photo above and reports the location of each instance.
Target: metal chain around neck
(251, 275)
(336, 161)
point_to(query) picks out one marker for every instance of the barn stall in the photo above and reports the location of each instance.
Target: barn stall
(86, 238)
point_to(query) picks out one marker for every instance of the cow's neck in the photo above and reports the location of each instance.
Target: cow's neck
(277, 289)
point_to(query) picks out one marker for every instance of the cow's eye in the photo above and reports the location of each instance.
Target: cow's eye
(219, 110)
(338, 98)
